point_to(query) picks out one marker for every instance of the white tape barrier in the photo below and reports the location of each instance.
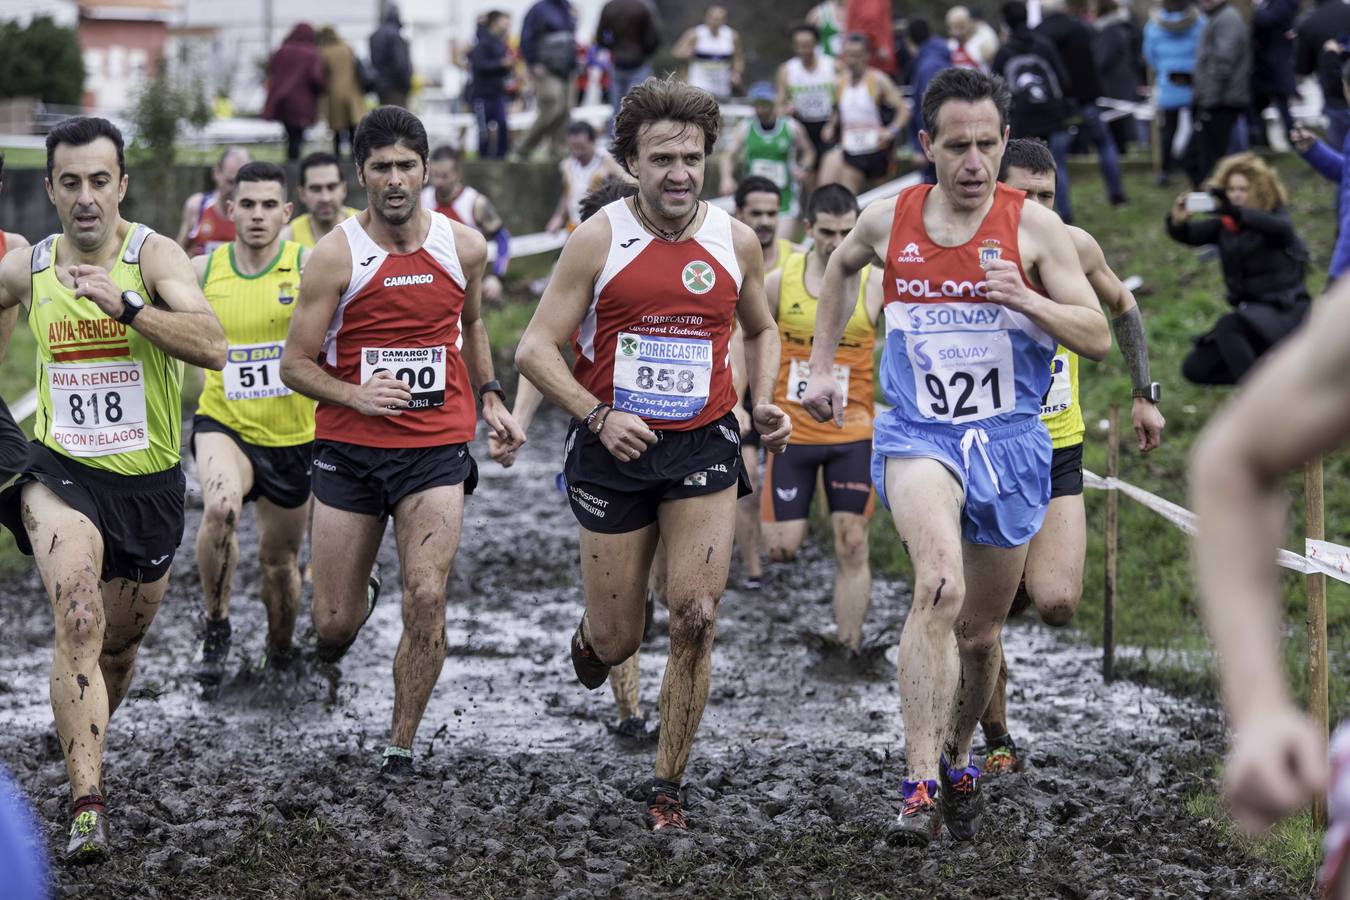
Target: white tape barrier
(26, 406)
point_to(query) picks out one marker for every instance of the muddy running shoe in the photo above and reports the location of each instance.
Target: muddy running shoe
(88, 832)
(276, 660)
(1001, 757)
(213, 652)
(397, 763)
(591, 672)
(920, 818)
(960, 799)
(664, 810)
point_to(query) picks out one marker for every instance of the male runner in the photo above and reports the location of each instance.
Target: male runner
(323, 192)
(1054, 570)
(206, 221)
(13, 442)
(113, 308)
(251, 436)
(842, 456)
(647, 293)
(448, 195)
(980, 286)
(807, 87)
(391, 297)
(865, 144)
(773, 147)
(582, 170)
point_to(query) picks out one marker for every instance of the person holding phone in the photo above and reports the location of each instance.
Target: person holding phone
(1170, 41)
(1264, 264)
(1330, 161)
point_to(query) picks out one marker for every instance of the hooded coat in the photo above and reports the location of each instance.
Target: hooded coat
(1171, 40)
(295, 79)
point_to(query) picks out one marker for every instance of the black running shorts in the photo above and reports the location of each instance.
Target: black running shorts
(280, 474)
(13, 445)
(814, 132)
(372, 480)
(139, 517)
(790, 480)
(1066, 472)
(613, 497)
(873, 165)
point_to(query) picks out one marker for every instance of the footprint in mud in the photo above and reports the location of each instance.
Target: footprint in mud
(835, 660)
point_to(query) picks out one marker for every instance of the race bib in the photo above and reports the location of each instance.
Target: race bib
(772, 169)
(1060, 396)
(800, 370)
(861, 140)
(253, 372)
(660, 377)
(962, 376)
(98, 409)
(422, 369)
(813, 104)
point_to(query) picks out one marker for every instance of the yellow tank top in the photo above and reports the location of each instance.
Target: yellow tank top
(1060, 412)
(853, 362)
(255, 311)
(302, 227)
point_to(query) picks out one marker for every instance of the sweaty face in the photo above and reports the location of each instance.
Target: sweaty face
(225, 172)
(86, 189)
(1237, 189)
(760, 212)
(444, 176)
(258, 210)
(828, 232)
(669, 167)
(966, 147)
(393, 176)
(1040, 186)
(323, 193)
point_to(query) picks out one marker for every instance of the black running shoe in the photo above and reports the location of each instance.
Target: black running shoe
(960, 798)
(397, 764)
(591, 672)
(276, 660)
(920, 819)
(634, 732)
(88, 833)
(213, 652)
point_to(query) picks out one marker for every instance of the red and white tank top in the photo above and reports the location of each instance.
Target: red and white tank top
(211, 230)
(655, 340)
(401, 313)
(459, 209)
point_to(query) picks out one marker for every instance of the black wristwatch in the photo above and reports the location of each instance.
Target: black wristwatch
(492, 387)
(132, 304)
(1152, 393)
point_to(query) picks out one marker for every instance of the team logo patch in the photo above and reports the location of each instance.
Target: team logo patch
(727, 433)
(436, 353)
(698, 479)
(628, 345)
(698, 277)
(990, 251)
(910, 254)
(372, 356)
(286, 293)
(787, 495)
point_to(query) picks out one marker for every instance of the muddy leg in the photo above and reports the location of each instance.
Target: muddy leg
(656, 580)
(853, 577)
(129, 607)
(225, 476)
(615, 569)
(994, 721)
(1055, 561)
(280, 532)
(342, 547)
(783, 540)
(623, 681)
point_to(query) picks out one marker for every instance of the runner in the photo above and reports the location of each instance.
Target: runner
(448, 195)
(113, 308)
(252, 437)
(962, 460)
(865, 144)
(714, 54)
(842, 457)
(647, 293)
(1054, 571)
(322, 192)
(582, 171)
(808, 86)
(394, 288)
(206, 221)
(774, 147)
(13, 442)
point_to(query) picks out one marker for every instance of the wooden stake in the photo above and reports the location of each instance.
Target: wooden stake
(1318, 705)
(1112, 545)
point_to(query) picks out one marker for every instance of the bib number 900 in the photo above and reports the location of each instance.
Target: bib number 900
(421, 369)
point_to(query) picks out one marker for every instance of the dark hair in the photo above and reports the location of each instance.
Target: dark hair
(663, 99)
(493, 17)
(262, 171)
(445, 151)
(386, 126)
(967, 85)
(755, 184)
(79, 131)
(315, 160)
(1014, 12)
(1027, 153)
(808, 28)
(580, 127)
(609, 190)
(832, 200)
(918, 30)
(859, 37)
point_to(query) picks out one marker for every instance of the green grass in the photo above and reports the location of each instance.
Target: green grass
(36, 158)
(1293, 845)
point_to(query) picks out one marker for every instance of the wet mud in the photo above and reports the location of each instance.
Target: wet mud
(271, 789)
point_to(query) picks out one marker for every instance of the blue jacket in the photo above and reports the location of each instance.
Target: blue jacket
(1170, 43)
(545, 17)
(933, 57)
(1333, 167)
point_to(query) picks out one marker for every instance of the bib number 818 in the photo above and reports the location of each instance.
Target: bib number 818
(665, 380)
(965, 382)
(82, 412)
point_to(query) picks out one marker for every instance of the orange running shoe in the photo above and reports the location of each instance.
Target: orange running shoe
(664, 810)
(920, 819)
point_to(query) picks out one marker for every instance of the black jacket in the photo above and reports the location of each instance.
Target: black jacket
(629, 30)
(389, 57)
(1023, 42)
(490, 63)
(1330, 21)
(1272, 50)
(1073, 38)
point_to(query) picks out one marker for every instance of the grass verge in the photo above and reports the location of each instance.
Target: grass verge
(1294, 845)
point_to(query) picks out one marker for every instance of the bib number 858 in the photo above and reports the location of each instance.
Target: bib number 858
(665, 380)
(82, 412)
(962, 386)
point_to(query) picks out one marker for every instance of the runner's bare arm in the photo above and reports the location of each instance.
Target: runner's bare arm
(684, 47)
(320, 291)
(15, 241)
(476, 350)
(727, 162)
(489, 220)
(559, 217)
(891, 96)
(199, 264)
(875, 296)
(191, 207)
(780, 82)
(762, 346)
(806, 151)
(15, 286)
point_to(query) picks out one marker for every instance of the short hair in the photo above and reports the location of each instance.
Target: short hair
(663, 99)
(79, 131)
(262, 171)
(228, 152)
(1264, 190)
(386, 126)
(808, 28)
(1027, 153)
(494, 16)
(859, 37)
(1014, 12)
(315, 160)
(581, 127)
(612, 188)
(967, 85)
(832, 200)
(918, 30)
(755, 184)
(447, 152)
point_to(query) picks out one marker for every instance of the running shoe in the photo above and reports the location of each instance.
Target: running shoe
(960, 799)
(591, 672)
(664, 810)
(920, 819)
(1001, 757)
(276, 660)
(88, 832)
(752, 583)
(213, 652)
(397, 763)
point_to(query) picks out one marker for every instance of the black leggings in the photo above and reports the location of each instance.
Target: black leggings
(1170, 120)
(295, 139)
(1225, 353)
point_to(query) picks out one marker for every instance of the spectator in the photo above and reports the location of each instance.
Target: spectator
(1073, 38)
(548, 43)
(1329, 22)
(1119, 52)
(630, 31)
(1272, 65)
(931, 55)
(490, 65)
(390, 60)
(1223, 75)
(295, 80)
(972, 42)
(713, 50)
(1263, 260)
(1334, 166)
(345, 102)
(1171, 39)
(808, 87)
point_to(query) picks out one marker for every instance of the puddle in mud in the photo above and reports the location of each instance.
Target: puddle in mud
(271, 790)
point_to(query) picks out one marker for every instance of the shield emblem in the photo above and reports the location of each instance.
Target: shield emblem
(698, 277)
(286, 293)
(372, 356)
(628, 346)
(436, 354)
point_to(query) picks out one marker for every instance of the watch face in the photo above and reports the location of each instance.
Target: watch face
(131, 298)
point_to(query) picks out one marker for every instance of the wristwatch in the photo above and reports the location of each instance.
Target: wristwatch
(492, 387)
(1152, 393)
(132, 304)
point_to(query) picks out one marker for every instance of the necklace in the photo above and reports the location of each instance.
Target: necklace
(670, 236)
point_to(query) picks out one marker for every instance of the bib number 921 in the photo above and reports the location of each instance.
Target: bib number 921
(954, 397)
(962, 377)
